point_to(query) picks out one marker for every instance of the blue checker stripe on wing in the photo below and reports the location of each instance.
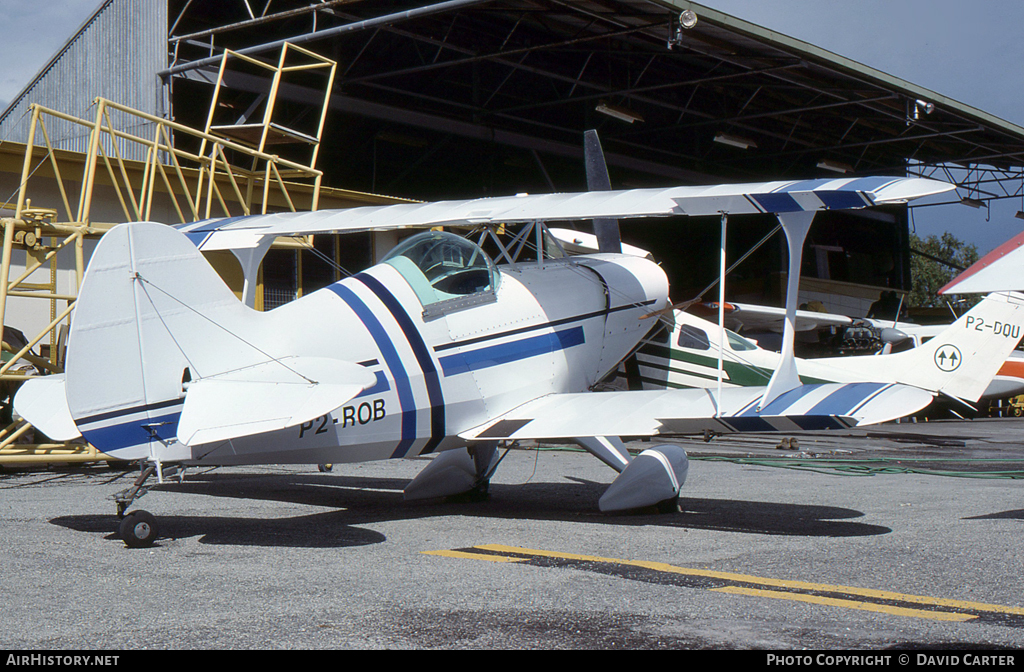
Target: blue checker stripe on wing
(778, 202)
(847, 398)
(841, 200)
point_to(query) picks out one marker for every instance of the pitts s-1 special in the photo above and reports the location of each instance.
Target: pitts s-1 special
(437, 349)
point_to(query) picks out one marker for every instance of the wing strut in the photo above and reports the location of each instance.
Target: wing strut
(796, 225)
(721, 312)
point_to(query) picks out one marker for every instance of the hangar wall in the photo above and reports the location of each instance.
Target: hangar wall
(114, 54)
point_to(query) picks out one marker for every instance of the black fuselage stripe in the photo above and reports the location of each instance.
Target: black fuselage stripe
(143, 408)
(535, 327)
(430, 375)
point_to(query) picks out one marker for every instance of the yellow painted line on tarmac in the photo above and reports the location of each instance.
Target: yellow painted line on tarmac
(847, 604)
(881, 601)
(473, 556)
(777, 583)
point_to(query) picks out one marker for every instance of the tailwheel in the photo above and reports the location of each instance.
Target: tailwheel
(138, 529)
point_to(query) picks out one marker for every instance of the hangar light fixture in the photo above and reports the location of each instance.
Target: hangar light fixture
(973, 202)
(735, 141)
(687, 20)
(835, 166)
(621, 113)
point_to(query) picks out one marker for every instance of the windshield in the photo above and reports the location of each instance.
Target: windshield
(441, 266)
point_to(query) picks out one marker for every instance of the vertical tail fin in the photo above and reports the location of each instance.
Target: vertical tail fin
(963, 359)
(153, 319)
(151, 315)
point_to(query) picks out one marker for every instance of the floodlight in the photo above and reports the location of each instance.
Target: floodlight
(735, 141)
(835, 166)
(620, 113)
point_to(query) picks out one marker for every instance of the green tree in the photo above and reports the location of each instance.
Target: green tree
(934, 261)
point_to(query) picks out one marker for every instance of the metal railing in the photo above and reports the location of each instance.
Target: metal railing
(195, 185)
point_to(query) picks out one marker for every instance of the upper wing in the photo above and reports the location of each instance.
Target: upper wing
(777, 197)
(691, 411)
(750, 317)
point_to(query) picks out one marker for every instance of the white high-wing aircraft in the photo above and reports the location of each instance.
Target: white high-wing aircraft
(964, 365)
(434, 350)
(969, 360)
(1001, 269)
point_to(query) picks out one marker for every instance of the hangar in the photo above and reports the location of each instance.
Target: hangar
(466, 98)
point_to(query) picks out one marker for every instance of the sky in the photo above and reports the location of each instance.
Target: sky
(971, 52)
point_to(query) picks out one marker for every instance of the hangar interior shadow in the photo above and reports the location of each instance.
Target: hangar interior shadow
(360, 501)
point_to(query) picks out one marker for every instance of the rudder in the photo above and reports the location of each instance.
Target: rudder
(964, 358)
(151, 314)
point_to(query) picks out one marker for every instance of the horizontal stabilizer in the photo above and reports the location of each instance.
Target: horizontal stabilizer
(691, 411)
(274, 395)
(43, 403)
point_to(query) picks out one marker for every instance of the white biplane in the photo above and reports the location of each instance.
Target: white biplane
(436, 349)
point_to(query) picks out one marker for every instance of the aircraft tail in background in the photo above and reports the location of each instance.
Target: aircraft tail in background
(959, 362)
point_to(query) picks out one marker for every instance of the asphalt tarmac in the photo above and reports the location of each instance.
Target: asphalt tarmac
(901, 537)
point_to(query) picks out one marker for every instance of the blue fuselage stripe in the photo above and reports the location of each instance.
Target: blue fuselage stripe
(504, 353)
(422, 353)
(391, 359)
(378, 387)
(132, 433)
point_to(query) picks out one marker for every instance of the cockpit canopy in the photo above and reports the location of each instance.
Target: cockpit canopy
(446, 271)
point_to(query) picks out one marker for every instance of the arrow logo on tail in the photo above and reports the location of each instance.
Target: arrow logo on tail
(948, 358)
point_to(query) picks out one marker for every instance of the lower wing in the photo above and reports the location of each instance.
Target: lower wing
(692, 411)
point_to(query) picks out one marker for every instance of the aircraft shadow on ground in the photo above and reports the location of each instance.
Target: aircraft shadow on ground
(359, 501)
(1018, 514)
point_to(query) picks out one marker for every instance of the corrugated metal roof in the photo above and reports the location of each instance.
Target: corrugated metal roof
(837, 62)
(115, 54)
(529, 75)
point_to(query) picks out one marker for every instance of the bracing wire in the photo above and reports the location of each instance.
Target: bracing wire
(664, 318)
(323, 257)
(214, 323)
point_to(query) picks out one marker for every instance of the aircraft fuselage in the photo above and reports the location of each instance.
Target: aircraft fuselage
(551, 328)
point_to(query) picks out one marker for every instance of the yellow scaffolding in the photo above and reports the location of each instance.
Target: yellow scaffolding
(195, 185)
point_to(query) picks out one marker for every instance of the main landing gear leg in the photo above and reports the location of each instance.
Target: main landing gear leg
(138, 529)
